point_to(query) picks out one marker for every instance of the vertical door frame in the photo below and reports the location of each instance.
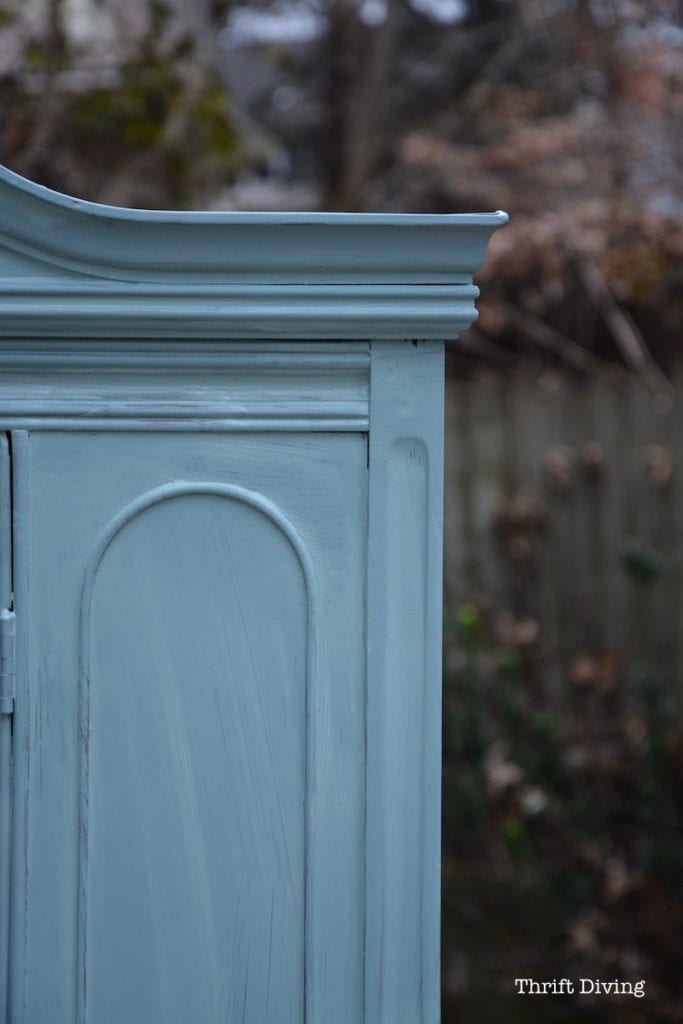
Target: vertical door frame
(404, 624)
(20, 726)
(5, 725)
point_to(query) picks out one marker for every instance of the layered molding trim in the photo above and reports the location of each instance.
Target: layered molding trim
(70, 268)
(297, 310)
(186, 385)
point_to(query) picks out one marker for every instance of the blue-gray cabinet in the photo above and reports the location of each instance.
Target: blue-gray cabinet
(220, 550)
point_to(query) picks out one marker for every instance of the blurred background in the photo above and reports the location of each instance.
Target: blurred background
(563, 748)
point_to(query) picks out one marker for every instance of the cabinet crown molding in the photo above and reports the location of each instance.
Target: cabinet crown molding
(71, 268)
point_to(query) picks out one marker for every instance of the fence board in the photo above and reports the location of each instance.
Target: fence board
(606, 464)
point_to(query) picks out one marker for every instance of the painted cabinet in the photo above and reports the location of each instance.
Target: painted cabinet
(220, 542)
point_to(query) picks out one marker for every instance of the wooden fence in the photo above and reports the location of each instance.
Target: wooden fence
(564, 517)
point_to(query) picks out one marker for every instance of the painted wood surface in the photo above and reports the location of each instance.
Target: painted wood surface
(193, 740)
(5, 721)
(190, 385)
(72, 269)
(222, 470)
(404, 685)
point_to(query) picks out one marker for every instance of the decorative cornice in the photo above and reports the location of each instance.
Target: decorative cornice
(68, 309)
(70, 268)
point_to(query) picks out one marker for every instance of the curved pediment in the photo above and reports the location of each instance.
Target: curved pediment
(86, 268)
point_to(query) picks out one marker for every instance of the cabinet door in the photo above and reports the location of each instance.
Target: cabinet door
(189, 728)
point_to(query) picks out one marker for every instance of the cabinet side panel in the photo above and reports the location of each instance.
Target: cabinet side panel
(404, 684)
(192, 808)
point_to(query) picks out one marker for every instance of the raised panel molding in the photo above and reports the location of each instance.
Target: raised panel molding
(189, 845)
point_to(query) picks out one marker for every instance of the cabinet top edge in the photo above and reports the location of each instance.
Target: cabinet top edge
(10, 181)
(44, 233)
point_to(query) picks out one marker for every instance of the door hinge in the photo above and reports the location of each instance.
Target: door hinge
(7, 620)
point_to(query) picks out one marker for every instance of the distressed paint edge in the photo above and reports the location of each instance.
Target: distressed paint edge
(179, 356)
(19, 867)
(158, 422)
(309, 388)
(127, 406)
(5, 731)
(5, 524)
(145, 501)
